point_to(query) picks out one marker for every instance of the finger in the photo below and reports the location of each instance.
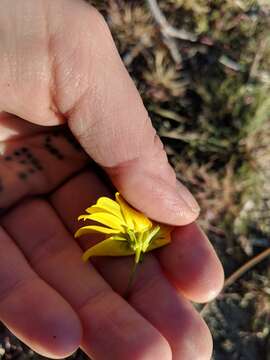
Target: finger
(110, 325)
(31, 309)
(12, 127)
(154, 297)
(89, 85)
(158, 301)
(192, 263)
(124, 142)
(189, 260)
(28, 164)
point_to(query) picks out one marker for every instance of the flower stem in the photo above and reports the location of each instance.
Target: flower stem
(131, 279)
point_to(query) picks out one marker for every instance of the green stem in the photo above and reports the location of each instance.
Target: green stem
(131, 280)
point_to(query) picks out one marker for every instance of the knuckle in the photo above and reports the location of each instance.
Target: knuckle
(13, 288)
(77, 48)
(97, 19)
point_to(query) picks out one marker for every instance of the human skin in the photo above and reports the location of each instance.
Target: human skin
(61, 74)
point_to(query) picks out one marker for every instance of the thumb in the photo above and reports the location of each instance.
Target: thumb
(69, 68)
(137, 165)
(111, 123)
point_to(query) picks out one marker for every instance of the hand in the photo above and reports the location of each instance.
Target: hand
(59, 66)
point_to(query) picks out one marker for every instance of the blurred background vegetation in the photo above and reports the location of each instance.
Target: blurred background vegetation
(204, 76)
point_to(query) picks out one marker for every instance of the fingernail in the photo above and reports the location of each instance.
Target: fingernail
(187, 197)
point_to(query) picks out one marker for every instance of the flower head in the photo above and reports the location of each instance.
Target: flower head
(129, 231)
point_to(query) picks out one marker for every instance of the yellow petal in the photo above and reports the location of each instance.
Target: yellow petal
(159, 242)
(118, 238)
(97, 209)
(94, 229)
(165, 229)
(106, 204)
(134, 219)
(108, 220)
(125, 211)
(83, 217)
(100, 211)
(109, 247)
(163, 237)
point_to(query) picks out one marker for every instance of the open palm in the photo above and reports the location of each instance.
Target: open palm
(54, 292)
(48, 297)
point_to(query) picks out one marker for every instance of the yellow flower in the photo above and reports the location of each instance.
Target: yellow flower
(129, 231)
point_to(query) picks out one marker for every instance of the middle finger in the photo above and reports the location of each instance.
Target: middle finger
(110, 325)
(153, 296)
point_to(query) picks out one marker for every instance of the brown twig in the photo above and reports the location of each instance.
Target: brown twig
(169, 32)
(238, 273)
(166, 28)
(133, 53)
(257, 58)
